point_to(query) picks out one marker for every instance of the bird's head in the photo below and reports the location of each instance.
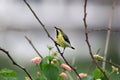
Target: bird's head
(58, 30)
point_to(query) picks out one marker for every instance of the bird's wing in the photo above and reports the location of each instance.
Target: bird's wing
(66, 38)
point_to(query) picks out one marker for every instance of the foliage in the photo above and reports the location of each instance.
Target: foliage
(7, 74)
(50, 70)
(51, 67)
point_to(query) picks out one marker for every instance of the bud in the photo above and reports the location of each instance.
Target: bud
(66, 67)
(98, 57)
(114, 69)
(82, 75)
(38, 73)
(54, 60)
(50, 47)
(27, 78)
(63, 75)
(36, 60)
(55, 54)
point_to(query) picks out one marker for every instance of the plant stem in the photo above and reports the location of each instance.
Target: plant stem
(108, 34)
(87, 40)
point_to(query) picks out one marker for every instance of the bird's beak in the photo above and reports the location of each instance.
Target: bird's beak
(55, 27)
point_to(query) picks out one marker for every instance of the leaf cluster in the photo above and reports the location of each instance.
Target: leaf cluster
(50, 70)
(7, 74)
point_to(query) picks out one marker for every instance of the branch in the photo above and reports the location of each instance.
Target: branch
(40, 22)
(111, 63)
(30, 42)
(43, 26)
(100, 58)
(100, 30)
(14, 63)
(87, 40)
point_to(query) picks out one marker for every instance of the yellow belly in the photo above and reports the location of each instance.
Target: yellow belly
(61, 41)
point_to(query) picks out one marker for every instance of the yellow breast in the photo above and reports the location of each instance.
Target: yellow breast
(60, 40)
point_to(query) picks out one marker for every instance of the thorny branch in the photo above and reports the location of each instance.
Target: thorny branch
(87, 40)
(43, 26)
(14, 63)
(30, 42)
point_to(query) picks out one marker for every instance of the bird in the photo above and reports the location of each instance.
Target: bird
(62, 39)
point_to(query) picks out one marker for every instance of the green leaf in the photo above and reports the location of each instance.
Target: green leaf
(51, 72)
(7, 74)
(48, 69)
(88, 78)
(97, 74)
(60, 78)
(41, 78)
(45, 62)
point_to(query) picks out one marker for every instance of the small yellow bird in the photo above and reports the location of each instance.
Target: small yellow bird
(62, 39)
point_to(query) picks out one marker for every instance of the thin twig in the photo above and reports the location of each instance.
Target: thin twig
(98, 51)
(43, 26)
(40, 22)
(30, 42)
(14, 63)
(106, 61)
(100, 30)
(111, 63)
(108, 33)
(87, 40)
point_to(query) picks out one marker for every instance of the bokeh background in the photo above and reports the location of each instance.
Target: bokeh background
(16, 21)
